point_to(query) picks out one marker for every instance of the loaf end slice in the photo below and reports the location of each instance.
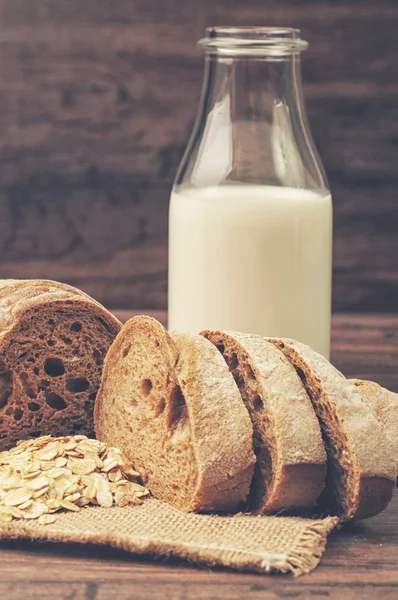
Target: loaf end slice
(361, 467)
(169, 402)
(384, 405)
(53, 341)
(291, 460)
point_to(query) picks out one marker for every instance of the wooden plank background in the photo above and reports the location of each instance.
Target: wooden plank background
(97, 100)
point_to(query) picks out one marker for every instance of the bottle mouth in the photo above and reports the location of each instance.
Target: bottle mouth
(260, 41)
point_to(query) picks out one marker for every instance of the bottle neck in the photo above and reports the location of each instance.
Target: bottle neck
(251, 125)
(254, 90)
(255, 70)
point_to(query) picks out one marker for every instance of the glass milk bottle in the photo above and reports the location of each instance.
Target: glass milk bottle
(250, 224)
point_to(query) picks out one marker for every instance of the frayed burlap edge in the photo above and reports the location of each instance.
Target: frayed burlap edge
(310, 547)
(302, 555)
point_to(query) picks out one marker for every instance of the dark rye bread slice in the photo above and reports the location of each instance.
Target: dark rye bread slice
(169, 402)
(361, 467)
(384, 405)
(53, 340)
(291, 459)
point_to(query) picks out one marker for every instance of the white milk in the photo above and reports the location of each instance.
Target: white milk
(255, 259)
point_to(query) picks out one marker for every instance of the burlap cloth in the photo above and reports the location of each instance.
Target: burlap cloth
(249, 543)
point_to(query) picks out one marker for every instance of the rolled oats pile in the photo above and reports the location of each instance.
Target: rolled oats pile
(42, 476)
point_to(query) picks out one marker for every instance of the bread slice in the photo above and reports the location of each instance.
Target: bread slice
(361, 468)
(384, 406)
(53, 340)
(291, 459)
(169, 402)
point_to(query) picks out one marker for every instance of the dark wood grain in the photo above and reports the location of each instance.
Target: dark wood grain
(366, 347)
(360, 562)
(97, 100)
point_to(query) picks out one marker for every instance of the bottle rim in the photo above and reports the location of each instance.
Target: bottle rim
(266, 41)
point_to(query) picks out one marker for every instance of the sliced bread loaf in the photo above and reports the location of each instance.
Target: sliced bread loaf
(291, 459)
(53, 340)
(169, 402)
(384, 406)
(361, 468)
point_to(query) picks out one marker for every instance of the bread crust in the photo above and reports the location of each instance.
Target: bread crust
(384, 405)
(19, 295)
(361, 469)
(291, 459)
(202, 436)
(28, 396)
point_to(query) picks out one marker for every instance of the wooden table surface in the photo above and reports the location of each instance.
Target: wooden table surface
(360, 562)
